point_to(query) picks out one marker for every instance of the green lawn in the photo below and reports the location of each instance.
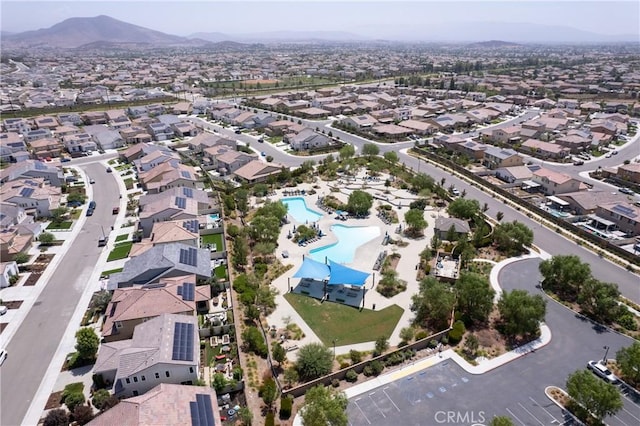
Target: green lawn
(111, 271)
(274, 139)
(221, 272)
(344, 323)
(60, 225)
(122, 237)
(128, 183)
(213, 239)
(121, 251)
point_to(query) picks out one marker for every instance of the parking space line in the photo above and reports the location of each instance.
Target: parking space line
(531, 414)
(516, 417)
(631, 414)
(362, 412)
(545, 410)
(384, 391)
(618, 418)
(374, 403)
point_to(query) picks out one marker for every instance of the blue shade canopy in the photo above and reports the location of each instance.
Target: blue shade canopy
(341, 274)
(313, 269)
(335, 272)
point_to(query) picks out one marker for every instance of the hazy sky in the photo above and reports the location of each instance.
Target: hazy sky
(378, 19)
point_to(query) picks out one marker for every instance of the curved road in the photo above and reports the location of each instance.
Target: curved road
(34, 344)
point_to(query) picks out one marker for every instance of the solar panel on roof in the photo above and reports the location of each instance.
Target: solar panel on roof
(26, 192)
(182, 342)
(189, 257)
(189, 292)
(202, 411)
(40, 166)
(181, 202)
(627, 211)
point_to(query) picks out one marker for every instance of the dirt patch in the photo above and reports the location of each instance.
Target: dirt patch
(37, 268)
(12, 304)
(393, 261)
(54, 401)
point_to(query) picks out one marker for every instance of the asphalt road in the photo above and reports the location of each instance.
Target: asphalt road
(32, 348)
(515, 389)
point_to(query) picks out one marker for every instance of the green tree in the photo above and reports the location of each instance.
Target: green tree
(463, 208)
(324, 406)
(245, 416)
(100, 397)
(421, 182)
(521, 313)
(407, 334)
(599, 300)
(46, 238)
(314, 360)
(512, 237)
(254, 341)
(265, 229)
(391, 157)
(219, 382)
(76, 197)
(370, 150)
(58, 214)
(73, 400)
(260, 190)
(628, 360)
(21, 257)
(564, 275)
(278, 353)
(415, 222)
(242, 200)
(56, 417)
(501, 421)
(275, 209)
(87, 343)
(381, 345)
(239, 253)
(268, 391)
(346, 151)
(359, 202)
(82, 414)
(599, 397)
(304, 233)
(433, 304)
(475, 297)
(291, 376)
(471, 345)
(264, 248)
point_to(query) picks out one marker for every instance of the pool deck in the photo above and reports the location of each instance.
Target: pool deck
(364, 258)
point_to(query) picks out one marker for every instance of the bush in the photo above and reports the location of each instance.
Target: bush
(368, 371)
(627, 320)
(270, 419)
(355, 356)
(335, 383)
(433, 343)
(286, 404)
(455, 335)
(82, 414)
(57, 417)
(351, 376)
(99, 398)
(73, 400)
(344, 364)
(376, 367)
(421, 335)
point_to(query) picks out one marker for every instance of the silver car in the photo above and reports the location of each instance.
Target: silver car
(601, 370)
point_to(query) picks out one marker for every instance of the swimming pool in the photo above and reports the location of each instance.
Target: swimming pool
(349, 239)
(298, 210)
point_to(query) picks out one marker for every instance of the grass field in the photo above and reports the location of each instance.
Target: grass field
(221, 272)
(121, 251)
(111, 271)
(128, 183)
(122, 237)
(60, 225)
(344, 323)
(213, 239)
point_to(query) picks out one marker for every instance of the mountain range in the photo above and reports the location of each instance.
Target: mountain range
(104, 31)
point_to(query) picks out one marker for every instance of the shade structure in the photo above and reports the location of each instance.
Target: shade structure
(313, 269)
(341, 274)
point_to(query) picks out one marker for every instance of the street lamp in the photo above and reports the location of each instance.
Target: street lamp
(606, 352)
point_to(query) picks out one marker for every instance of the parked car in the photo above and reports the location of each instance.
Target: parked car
(261, 140)
(115, 210)
(602, 371)
(65, 159)
(92, 205)
(263, 154)
(109, 170)
(626, 191)
(89, 212)
(3, 355)
(608, 155)
(614, 152)
(238, 132)
(92, 181)
(74, 204)
(3, 309)
(102, 241)
(578, 163)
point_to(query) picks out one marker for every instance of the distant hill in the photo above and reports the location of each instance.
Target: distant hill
(494, 44)
(76, 32)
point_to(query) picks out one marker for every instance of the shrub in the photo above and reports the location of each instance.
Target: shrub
(368, 371)
(433, 343)
(421, 335)
(351, 376)
(286, 405)
(402, 344)
(99, 398)
(376, 367)
(82, 414)
(355, 356)
(627, 321)
(73, 400)
(57, 417)
(335, 383)
(455, 335)
(344, 364)
(270, 419)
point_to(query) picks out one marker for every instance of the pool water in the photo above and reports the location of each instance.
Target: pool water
(214, 216)
(298, 210)
(349, 239)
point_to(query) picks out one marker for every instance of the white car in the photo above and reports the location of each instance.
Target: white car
(602, 371)
(3, 310)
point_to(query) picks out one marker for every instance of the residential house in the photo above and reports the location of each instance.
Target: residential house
(33, 169)
(166, 176)
(306, 139)
(205, 140)
(34, 135)
(418, 127)
(575, 142)
(156, 158)
(495, 157)
(625, 215)
(80, 142)
(555, 183)
(95, 118)
(227, 162)
(33, 195)
(173, 231)
(163, 261)
(184, 129)
(545, 150)
(164, 349)
(391, 131)
(516, 174)
(205, 202)
(163, 209)
(360, 122)
(7, 271)
(10, 143)
(160, 131)
(629, 172)
(135, 134)
(510, 135)
(167, 405)
(46, 148)
(443, 226)
(583, 203)
(257, 171)
(473, 150)
(18, 125)
(140, 150)
(46, 122)
(132, 306)
(314, 113)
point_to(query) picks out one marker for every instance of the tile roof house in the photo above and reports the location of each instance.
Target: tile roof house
(33, 169)
(33, 195)
(514, 174)
(306, 139)
(257, 171)
(625, 215)
(205, 202)
(444, 224)
(46, 148)
(164, 209)
(391, 131)
(173, 231)
(544, 149)
(156, 158)
(629, 172)
(7, 270)
(554, 183)
(141, 149)
(418, 127)
(11, 142)
(167, 175)
(360, 121)
(206, 140)
(134, 305)
(495, 157)
(167, 405)
(164, 349)
(163, 261)
(586, 202)
(228, 161)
